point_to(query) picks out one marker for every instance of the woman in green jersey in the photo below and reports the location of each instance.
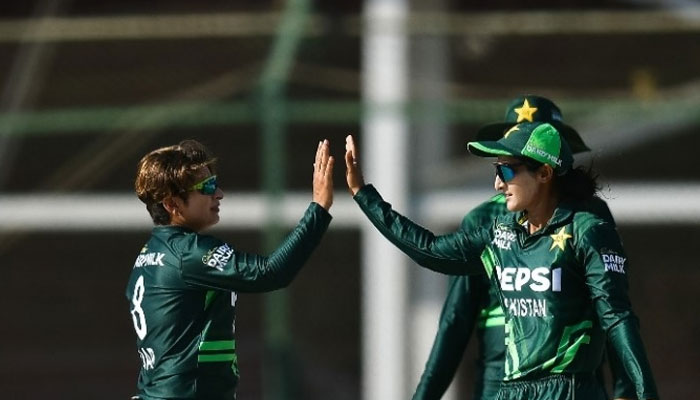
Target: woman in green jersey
(183, 284)
(472, 306)
(560, 271)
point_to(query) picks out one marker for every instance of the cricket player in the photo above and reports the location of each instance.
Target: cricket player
(183, 284)
(472, 305)
(559, 270)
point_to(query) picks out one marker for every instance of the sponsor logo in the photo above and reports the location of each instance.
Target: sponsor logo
(503, 237)
(516, 279)
(613, 262)
(540, 279)
(218, 257)
(149, 260)
(536, 150)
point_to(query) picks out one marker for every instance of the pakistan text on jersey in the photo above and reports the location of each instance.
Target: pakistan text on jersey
(149, 259)
(526, 307)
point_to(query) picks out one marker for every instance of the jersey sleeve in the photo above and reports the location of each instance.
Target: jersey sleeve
(456, 253)
(623, 387)
(606, 277)
(211, 263)
(457, 322)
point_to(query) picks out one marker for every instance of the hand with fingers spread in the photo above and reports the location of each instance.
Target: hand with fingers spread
(323, 176)
(353, 174)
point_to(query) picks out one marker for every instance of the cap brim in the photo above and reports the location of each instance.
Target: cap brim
(489, 149)
(492, 132)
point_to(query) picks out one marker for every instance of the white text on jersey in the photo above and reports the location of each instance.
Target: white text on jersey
(149, 259)
(538, 279)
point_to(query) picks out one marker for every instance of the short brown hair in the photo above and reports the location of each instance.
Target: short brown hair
(170, 171)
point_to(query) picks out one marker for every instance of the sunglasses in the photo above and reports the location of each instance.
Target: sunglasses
(206, 187)
(506, 172)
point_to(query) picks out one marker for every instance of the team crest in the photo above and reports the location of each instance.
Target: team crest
(559, 239)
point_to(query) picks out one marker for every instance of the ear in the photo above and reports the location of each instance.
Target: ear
(172, 205)
(545, 173)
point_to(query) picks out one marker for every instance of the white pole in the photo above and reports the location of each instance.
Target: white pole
(429, 73)
(384, 149)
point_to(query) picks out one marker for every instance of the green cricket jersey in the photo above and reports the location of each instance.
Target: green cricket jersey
(182, 296)
(472, 302)
(562, 288)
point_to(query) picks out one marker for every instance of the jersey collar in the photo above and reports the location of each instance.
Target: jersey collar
(562, 215)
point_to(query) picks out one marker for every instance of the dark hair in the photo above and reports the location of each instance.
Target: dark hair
(577, 184)
(170, 171)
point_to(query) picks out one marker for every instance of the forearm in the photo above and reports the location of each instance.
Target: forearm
(623, 388)
(285, 262)
(441, 254)
(624, 337)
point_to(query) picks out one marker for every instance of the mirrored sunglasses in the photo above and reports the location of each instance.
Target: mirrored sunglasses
(206, 187)
(506, 172)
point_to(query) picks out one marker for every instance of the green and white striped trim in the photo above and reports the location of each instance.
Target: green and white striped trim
(217, 351)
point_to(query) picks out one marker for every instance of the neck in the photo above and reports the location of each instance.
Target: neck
(541, 213)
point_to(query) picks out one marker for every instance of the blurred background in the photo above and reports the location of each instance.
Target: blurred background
(88, 87)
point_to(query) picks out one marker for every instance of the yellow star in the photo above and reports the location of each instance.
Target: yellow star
(525, 112)
(511, 130)
(559, 239)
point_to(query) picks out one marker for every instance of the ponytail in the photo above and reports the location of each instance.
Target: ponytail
(577, 184)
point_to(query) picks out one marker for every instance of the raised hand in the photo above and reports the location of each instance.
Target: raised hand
(323, 176)
(353, 174)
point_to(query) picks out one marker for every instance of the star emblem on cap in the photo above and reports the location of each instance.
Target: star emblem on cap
(525, 113)
(559, 239)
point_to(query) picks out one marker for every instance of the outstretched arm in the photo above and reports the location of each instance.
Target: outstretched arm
(209, 262)
(456, 253)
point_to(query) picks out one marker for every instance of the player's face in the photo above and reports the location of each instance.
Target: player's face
(202, 209)
(519, 184)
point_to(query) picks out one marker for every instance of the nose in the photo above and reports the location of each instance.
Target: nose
(498, 184)
(219, 194)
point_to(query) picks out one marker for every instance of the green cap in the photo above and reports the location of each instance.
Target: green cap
(541, 142)
(531, 108)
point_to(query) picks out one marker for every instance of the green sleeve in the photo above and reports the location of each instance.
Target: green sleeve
(208, 262)
(623, 387)
(456, 253)
(457, 321)
(606, 278)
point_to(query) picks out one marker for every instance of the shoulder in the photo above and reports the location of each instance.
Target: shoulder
(591, 228)
(599, 207)
(184, 241)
